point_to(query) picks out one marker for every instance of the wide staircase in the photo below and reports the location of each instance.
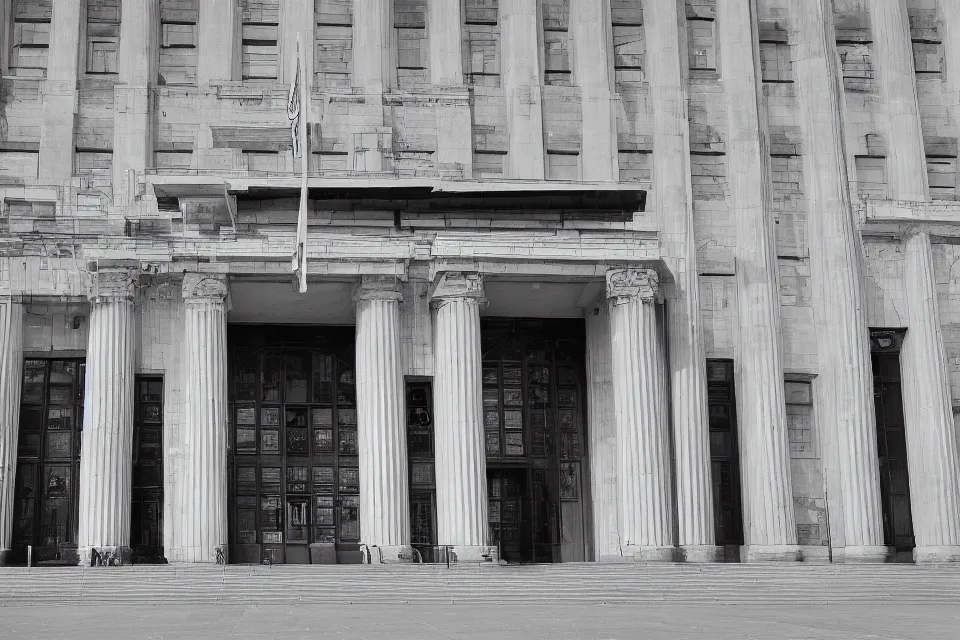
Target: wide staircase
(798, 584)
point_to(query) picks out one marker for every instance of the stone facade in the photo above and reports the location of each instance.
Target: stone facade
(762, 182)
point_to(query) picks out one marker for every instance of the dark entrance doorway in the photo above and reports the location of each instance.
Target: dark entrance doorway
(295, 479)
(724, 457)
(533, 424)
(48, 459)
(146, 517)
(891, 440)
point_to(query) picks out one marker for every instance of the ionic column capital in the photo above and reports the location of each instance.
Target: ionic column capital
(114, 284)
(458, 284)
(386, 288)
(624, 285)
(205, 287)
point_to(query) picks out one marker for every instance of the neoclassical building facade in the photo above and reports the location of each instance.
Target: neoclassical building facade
(587, 280)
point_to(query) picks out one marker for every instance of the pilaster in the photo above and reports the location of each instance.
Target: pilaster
(384, 483)
(603, 435)
(932, 460)
(202, 527)
(461, 463)
(522, 79)
(643, 450)
(106, 451)
(60, 90)
(847, 405)
(219, 42)
(591, 27)
(132, 125)
(296, 19)
(373, 37)
(673, 200)
(11, 373)
(444, 37)
(770, 530)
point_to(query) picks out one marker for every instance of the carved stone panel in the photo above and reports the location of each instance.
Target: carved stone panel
(458, 284)
(113, 284)
(205, 286)
(626, 284)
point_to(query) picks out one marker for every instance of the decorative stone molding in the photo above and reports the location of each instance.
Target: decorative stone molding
(458, 284)
(626, 284)
(113, 285)
(378, 288)
(205, 286)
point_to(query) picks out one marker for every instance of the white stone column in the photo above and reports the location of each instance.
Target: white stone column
(591, 30)
(384, 483)
(847, 406)
(374, 69)
(203, 495)
(461, 462)
(60, 90)
(219, 41)
(132, 123)
(11, 373)
(602, 434)
(934, 469)
(521, 76)
(106, 451)
(643, 449)
(770, 531)
(673, 202)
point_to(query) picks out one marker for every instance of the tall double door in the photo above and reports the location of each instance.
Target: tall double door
(295, 478)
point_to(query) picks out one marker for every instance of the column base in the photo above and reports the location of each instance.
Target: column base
(104, 556)
(392, 554)
(699, 553)
(770, 553)
(6, 557)
(652, 554)
(932, 555)
(866, 554)
(197, 555)
(469, 554)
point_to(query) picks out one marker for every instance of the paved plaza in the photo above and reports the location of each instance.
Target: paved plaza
(100, 621)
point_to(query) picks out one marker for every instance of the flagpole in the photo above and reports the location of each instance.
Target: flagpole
(300, 255)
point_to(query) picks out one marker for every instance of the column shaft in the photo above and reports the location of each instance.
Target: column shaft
(461, 463)
(522, 79)
(643, 455)
(602, 432)
(203, 500)
(673, 200)
(844, 346)
(384, 483)
(11, 373)
(373, 38)
(106, 452)
(219, 44)
(60, 91)
(932, 459)
(769, 524)
(591, 31)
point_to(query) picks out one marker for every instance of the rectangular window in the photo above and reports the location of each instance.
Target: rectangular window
(942, 176)
(488, 164)
(420, 450)
(412, 52)
(481, 42)
(555, 17)
(31, 38)
(775, 64)
(634, 166)
(259, 54)
(805, 464)
(96, 166)
(856, 65)
(563, 165)
(871, 177)
(103, 36)
(178, 42)
(702, 43)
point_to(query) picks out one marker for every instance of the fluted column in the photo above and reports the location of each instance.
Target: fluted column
(461, 463)
(673, 200)
(203, 500)
(847, 409)
(602, 432)
(11, 372)
(384, 484)
(770, 531)
(934, 468)
(643, 450)
(106, 452)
